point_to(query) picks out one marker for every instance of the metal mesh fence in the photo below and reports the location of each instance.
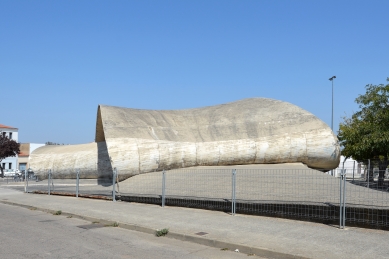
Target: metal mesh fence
(367, 201)
(208, 189)
(305, 194)
(145, 189)
(80, 184)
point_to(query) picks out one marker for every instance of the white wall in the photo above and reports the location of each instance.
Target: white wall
(351, 166)
(349, 163)
(13, 160)
(15, 135)
(34, 146)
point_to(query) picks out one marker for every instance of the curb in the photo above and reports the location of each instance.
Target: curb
(263, 252)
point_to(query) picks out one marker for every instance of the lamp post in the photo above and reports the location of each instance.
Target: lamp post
(332, 113)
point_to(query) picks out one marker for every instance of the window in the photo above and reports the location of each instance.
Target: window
(3, 166)
(3, 134)
(22, 166)
(10, 166)
(10, 135)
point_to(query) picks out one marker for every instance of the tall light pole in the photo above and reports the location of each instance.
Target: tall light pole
(332, 114)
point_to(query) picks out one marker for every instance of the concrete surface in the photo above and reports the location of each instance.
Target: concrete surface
(28, 234)
(249, 131)
(263, 236)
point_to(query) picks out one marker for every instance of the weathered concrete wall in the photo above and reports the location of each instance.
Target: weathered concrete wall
(256, 130)
(91, 159)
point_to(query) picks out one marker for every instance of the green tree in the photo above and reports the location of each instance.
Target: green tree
(8, 148)
(366, 134)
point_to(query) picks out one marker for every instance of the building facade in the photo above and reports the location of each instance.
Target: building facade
(12, 133)
(24, 157)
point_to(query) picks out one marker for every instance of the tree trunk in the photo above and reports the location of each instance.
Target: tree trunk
(382, 165)
(370, 174)
(2, 172)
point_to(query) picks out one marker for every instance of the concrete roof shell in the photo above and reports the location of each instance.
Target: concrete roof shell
(250, 131)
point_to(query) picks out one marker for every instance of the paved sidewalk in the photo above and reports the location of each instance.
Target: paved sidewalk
(263, 236)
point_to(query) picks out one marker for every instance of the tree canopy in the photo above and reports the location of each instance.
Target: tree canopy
(366, 134)
(8, 148)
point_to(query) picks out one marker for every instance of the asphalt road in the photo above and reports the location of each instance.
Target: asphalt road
(34, 234)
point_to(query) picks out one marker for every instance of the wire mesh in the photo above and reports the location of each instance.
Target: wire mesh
(144, 188)
(305, 194)
(367, 200)
(208, 189)
(88, 185)
(199, 188)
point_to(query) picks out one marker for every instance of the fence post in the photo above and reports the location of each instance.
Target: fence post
(344, 199)
(163, 187)
(341, 198)
(48, 181)
(113, 185)
(78, 182)
(233, 198)
(353, 170)
(25, 181)
(340, 201)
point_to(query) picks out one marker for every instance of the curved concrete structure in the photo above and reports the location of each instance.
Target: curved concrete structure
(250, 131)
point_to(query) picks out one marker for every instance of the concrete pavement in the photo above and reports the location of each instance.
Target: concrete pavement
(263, 236)
(33, 234)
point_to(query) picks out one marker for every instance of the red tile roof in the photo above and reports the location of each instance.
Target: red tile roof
(6, 127)
(23, 154)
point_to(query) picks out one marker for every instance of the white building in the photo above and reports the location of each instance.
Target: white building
(352, 168)
(12, 133)
(25, 151)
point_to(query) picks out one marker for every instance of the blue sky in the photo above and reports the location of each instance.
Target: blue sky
(60, 59)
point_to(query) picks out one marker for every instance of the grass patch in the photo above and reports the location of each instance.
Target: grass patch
(95, 222)
(162, 232)
(58, 212)
(70, 216)
(115, 224)
(224, 249)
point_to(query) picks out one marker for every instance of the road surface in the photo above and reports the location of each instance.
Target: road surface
(29, 233)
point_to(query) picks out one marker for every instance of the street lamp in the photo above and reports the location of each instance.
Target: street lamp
(332, 116)
(332, 112)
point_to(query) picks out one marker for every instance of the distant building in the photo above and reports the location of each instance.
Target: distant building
(11, 133)
(25, 150)
(353, 168)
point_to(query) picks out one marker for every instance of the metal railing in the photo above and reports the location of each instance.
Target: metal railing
(303, 194)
